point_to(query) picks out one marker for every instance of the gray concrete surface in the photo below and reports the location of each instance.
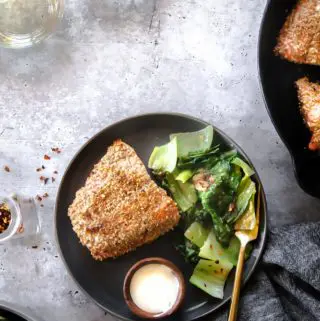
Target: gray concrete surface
(113, 59)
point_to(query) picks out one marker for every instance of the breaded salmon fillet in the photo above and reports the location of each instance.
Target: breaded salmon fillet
(120, 207)
(309, 97)
(299, 39)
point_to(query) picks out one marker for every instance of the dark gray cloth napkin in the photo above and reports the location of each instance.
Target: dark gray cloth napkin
(286, 285)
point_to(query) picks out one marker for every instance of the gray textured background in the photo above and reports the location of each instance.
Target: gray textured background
(112, 59)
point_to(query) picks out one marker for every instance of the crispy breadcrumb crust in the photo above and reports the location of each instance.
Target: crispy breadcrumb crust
(120, 207)
(299, 39)
(309, 97)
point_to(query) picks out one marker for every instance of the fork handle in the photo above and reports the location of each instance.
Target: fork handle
(237, 285)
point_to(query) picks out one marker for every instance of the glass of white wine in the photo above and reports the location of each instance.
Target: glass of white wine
(24, 23)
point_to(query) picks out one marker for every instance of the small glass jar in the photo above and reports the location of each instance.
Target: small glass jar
(24, 23)
(24, 220)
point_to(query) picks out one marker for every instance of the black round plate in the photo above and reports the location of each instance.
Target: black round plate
(10, 315)
(103, 281)
(278, 78)
(13, 312)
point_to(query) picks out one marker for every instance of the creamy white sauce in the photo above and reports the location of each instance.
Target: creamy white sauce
(154, 288)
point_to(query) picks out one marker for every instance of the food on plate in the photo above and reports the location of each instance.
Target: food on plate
(309, 97)
(213, 189)
(299, 39)
(150, 277)
(120, 207)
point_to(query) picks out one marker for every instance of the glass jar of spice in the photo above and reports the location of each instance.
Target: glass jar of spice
(18, 218)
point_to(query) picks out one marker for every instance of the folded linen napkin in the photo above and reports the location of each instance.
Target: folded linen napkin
(286, 285)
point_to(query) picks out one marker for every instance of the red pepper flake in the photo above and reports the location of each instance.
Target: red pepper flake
(7, 168)
(56, 150)
(34, 246)
(211, 247)
(42, 167)
(20, 228)
(45, 195)
(204, 285)
(39, 198)
(5, 217)
(217, 261)
(55, 172)
(41, 205)
(39, 169)
(46, 157)
(44, 179)
(53, 179)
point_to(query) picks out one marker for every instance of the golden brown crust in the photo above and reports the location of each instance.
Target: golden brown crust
(309, 97)
(120, 207)
(299, 37)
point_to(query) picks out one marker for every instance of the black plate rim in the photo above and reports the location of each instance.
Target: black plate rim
(262, 233)
(266, 105)
(11, 308)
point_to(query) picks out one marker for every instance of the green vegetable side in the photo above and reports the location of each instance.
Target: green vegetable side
(215, 195)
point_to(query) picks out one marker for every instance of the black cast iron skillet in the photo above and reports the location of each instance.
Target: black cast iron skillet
(278, 78)
(103, 281)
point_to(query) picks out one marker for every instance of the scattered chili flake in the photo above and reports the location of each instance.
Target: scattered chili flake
(39, 169)
(211, 247)
(7, 168)
(217, 261)
(46, 157)
(42, 167)
(34, 246)
(53, 179)
(45, 195)
(20, 228)
(5, 217)
(41, 205)
(39, 198)
(204, 285)
(56, 150)
(44, 179)
(221, 269)
(55, 172)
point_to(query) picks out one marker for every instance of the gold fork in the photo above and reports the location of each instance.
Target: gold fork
(244, 236)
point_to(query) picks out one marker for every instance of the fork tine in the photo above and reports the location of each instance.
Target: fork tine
(258, 205)
(256, 230)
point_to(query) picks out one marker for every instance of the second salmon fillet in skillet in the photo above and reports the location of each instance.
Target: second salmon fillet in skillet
(120, 207)
(309, 98)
